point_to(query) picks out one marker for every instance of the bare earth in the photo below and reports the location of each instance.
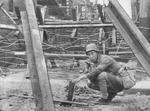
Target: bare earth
(16, 93)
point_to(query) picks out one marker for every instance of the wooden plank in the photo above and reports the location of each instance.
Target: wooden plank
(57, 56)
(71, 102)
(65, 22)
(77, 56)
(31, 62)
(45, 93)
(62, 56)
(12, 27)
(55, 100)
(121, 53)
(8, 27)
(75, 26)
(130, 33)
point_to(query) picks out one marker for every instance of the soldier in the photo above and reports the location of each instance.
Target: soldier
(109, 76)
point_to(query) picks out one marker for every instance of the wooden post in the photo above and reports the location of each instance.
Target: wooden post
(106, 30)
(101, 36)
(31, 62)
(68, 8)
(114, 38)
(36, 80)
(131, 34)
(76, 26)
(40, 20)
(43, 12)
(39, 78)
(75, 30)
(11, 6)
(145, 18)
(40, 15)
(104, 46)
(17, 10)
(135, 10)
(86, 9)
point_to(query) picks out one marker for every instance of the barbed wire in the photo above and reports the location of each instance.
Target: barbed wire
(12, 63)
(19, 61)
(13, 58)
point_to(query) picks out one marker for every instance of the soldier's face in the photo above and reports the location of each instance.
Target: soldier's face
(92, 56)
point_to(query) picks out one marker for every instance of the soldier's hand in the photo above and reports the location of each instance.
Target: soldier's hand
(79, 78)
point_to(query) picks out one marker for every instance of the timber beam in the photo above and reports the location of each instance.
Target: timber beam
(54, 26)
(8, 27)
(63, 22)
(69, 56)
(75, 26)
(131, 34)
(57, 56)
(40, 80)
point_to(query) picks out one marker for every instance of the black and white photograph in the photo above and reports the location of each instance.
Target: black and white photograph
(74, 55)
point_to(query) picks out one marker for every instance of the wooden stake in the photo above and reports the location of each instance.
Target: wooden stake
(31, 62)
(144, 18)
(114, 38)
(131, 34)
(40, 80)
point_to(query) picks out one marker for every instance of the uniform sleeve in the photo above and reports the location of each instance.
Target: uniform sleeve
(105, 63)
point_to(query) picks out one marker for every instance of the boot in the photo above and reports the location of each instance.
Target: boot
(111, 96)
(103, 101)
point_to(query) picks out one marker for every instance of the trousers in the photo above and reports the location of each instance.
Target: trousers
(107, 83)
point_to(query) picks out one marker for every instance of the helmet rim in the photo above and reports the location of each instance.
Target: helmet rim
(91, 47)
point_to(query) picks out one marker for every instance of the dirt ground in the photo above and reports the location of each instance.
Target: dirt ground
(16, 92)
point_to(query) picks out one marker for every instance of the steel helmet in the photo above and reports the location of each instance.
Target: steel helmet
(91, 47)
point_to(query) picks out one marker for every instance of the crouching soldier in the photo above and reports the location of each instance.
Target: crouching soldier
(108, 76)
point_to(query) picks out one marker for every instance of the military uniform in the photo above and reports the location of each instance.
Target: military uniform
(110, 77)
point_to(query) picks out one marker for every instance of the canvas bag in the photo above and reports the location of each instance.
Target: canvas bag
(128, 78)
